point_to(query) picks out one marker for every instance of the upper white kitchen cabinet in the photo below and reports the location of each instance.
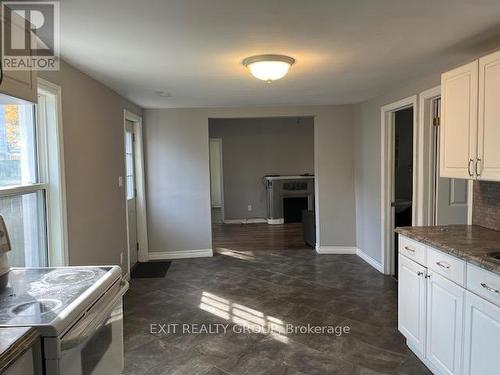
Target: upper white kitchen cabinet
(19, 83)
(488, 150)
(459, 121)
(470, 128)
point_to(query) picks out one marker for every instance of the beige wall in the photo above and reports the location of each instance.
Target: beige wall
(177, 173)
(93, 149)
(367, 148)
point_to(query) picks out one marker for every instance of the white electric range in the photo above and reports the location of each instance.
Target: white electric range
(78, 312)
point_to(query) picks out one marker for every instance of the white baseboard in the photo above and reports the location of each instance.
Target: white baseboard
(275, 221)
(180, 254)
(368, 259)
(335, 249)
(246, 221)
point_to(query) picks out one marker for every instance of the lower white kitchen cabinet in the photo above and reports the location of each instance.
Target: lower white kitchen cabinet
(481, 337)
(449, 312)
(445, 304)
(412, 301)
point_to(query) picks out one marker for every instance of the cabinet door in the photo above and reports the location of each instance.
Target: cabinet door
(411, 302)
(445, 304)
(482, 336)
(19, 83)
(488, 167)
(458, 131)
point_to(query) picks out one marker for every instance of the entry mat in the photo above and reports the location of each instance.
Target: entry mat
(150, 270)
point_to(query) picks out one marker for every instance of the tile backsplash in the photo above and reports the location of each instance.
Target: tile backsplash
(486, 205)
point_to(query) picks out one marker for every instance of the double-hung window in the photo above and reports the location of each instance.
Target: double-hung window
(32, 198)
(22, 190)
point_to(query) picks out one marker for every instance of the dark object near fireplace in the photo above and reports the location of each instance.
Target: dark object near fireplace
(309, 223)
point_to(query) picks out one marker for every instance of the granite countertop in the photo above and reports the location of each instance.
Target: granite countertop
(471, 243)
(14, 342)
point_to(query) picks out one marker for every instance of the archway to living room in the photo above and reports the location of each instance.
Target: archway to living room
(262, 183)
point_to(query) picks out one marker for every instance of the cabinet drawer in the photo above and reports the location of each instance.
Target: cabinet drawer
(484, 283)
(413, 250)
(446, 265)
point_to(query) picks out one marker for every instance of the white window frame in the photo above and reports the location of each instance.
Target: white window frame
(52, 171)
(27, 187)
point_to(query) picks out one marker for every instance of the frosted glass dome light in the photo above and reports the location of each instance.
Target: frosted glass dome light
(269, 67)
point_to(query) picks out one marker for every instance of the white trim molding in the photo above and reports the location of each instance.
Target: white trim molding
(368, 259)
(387, 175)
(246, 221)
(275, 221)
(426, 162)
(142, 226)
(50, 98)
(180, 254)
(335, 249)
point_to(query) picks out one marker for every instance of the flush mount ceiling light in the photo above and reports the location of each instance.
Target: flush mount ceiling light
(268, 67)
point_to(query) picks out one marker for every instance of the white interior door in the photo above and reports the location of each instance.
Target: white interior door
(130, 184)
(451, 203)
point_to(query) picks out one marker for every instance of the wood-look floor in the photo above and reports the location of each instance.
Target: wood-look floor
(266, 289)
(255, 237)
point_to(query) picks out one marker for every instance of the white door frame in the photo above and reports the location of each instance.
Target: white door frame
(425, 160)
(426, 164)
(219, 141)
(387, 175)
(140, 184)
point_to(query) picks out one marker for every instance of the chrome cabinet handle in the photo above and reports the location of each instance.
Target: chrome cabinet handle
(469, 169)
(420, 273)
(490, 289)
(478, 170)
(443, 265)
(409, 249)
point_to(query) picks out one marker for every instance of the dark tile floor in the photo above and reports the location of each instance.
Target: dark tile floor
(273, 289)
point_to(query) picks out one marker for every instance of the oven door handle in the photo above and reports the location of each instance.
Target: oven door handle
(92, 320)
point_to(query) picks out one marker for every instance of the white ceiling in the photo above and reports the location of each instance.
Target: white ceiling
(346, 50)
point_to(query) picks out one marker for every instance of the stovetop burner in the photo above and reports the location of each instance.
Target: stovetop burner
(69, 277)
(35, 308)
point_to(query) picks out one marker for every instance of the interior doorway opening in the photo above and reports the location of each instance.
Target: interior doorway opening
(399, 179)
(262, 182)
(402, 189)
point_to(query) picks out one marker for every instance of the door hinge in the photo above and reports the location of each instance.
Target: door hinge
(133, 137)
(436, 121)
(137, 246)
